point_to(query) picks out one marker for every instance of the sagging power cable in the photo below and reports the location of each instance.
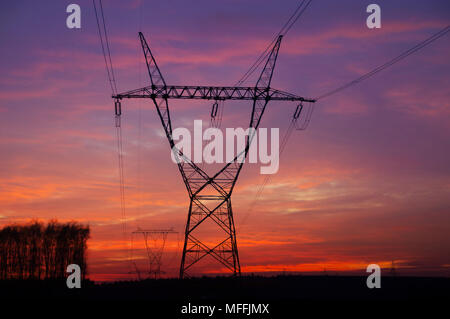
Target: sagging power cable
(303, 124)
(283, 31)
(296, 123)
(215, 122)
(380, 68)
(104, 41)
(103, 35)
(293, 124)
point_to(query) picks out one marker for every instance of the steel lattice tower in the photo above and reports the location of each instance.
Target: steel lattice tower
(210, 196)
(155, 251)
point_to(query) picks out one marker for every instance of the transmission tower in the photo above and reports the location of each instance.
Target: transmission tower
(155, 248)
(210, 196)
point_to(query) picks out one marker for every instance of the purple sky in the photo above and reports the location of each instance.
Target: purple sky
(369, 181)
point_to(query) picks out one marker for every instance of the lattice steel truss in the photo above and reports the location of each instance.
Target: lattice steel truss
(210, 196)
(154, 249)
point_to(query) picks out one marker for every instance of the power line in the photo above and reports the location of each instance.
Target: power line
(140, 128)
(298, 16)
(380, 68)
(389, 63)
(283, 31)
(105, 46)
(121, 176)
(267, 178)
(365, 76)
(216, 122)
(293, 124)
(104, 41)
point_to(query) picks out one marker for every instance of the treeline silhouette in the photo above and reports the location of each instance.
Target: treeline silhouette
(38, 251)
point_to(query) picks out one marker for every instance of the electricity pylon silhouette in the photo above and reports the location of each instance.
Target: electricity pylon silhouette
(154, 250)
(210, 196)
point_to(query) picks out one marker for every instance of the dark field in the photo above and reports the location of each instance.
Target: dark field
(286, 296)
(244, 289)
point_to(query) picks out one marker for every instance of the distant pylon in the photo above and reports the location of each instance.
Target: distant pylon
(154, 248)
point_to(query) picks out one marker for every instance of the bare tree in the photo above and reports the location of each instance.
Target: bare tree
(36, 251)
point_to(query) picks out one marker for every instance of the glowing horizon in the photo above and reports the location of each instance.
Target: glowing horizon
(368, 182)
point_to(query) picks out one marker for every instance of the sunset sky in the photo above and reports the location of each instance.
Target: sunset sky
(367, 182)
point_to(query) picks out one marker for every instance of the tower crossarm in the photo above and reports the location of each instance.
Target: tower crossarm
(155, 231)
(211, 93)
